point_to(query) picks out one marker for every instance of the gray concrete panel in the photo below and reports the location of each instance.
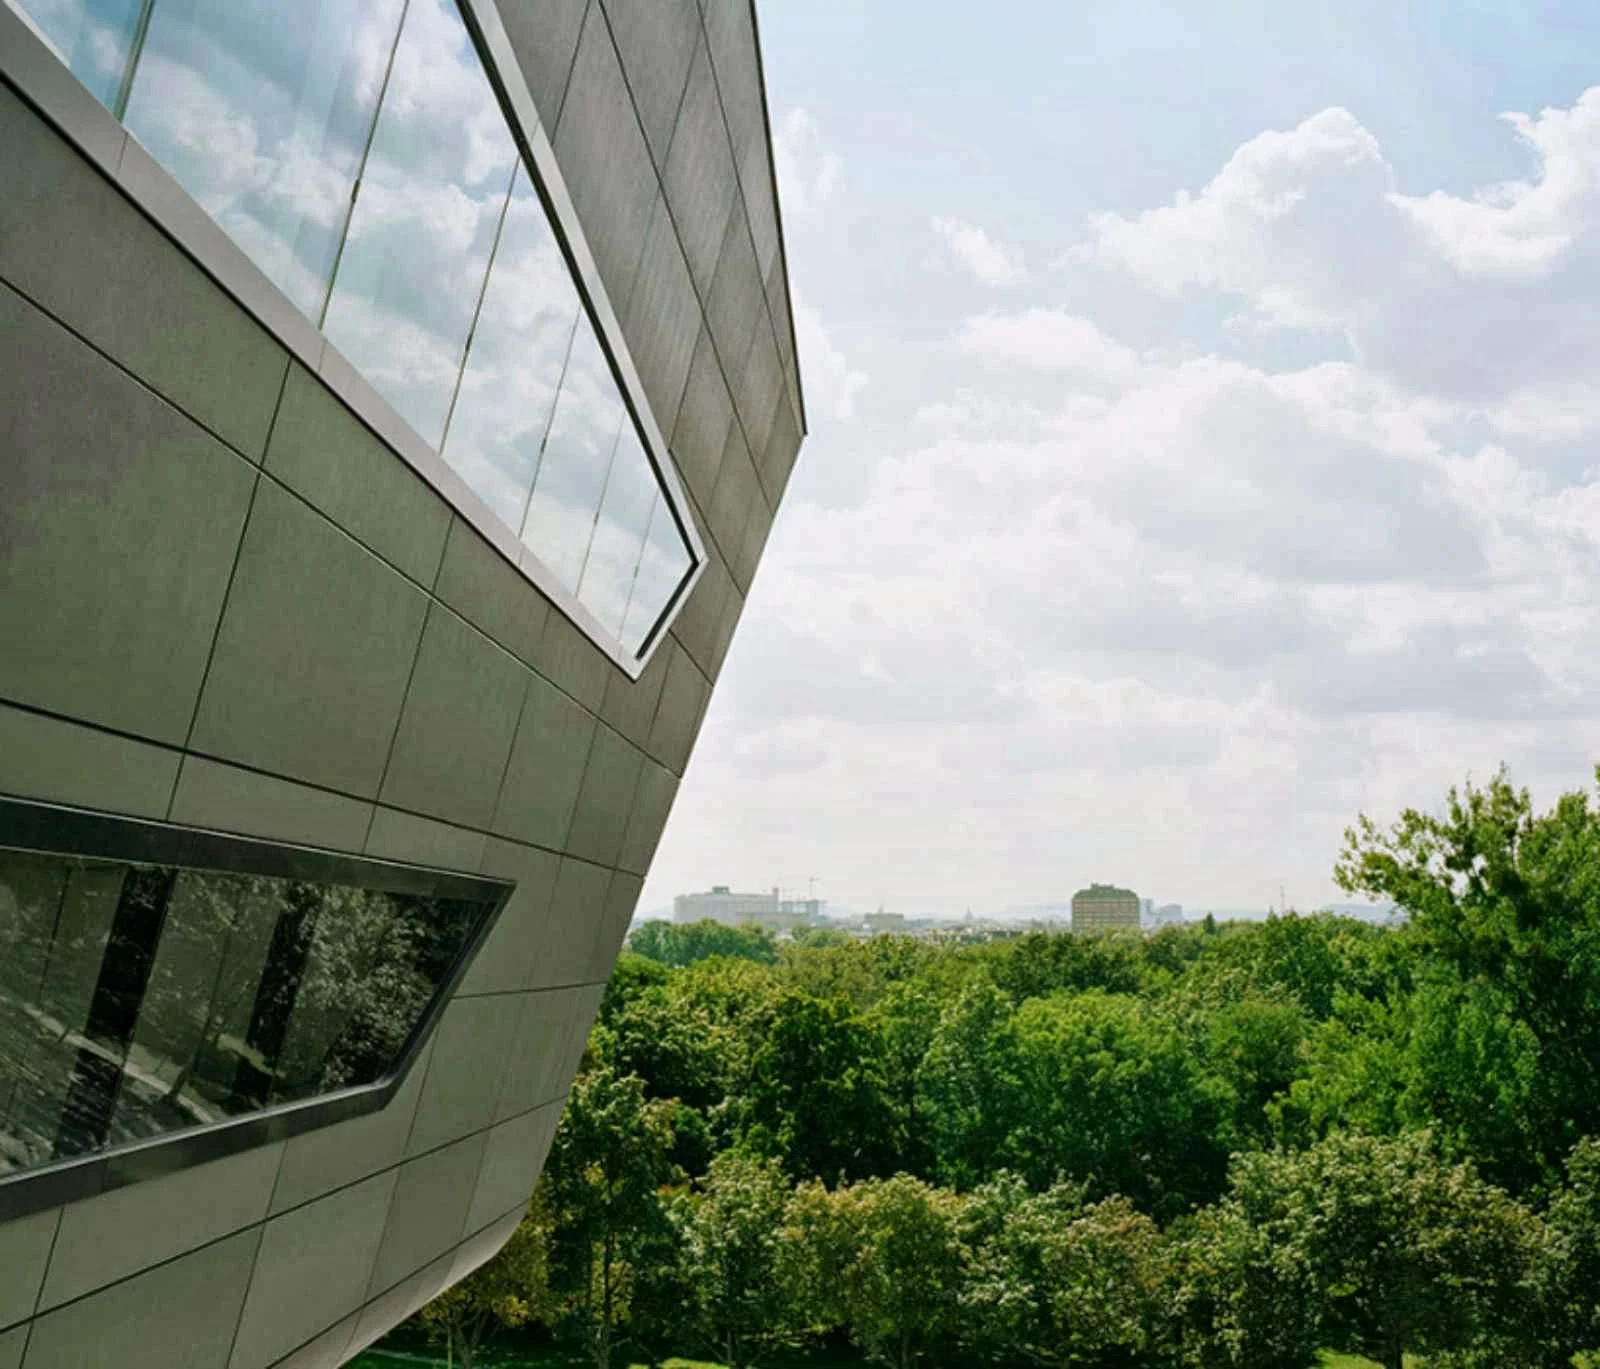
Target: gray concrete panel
(605, 159)
(704, 416)
(457, 726)
(630, 705)
(318, 1162)
(428, 1213)
(732, 611)
(12, 1343)
(546, 768)
(397, 835)
(699, 176)
(481, 1247)
(736, 303)
(544, 35)
(57, 761)
(178, 1313)
(512, 1161)
(316, 647)
(70, 241)
(572, 663)
(738, 491)
(661, 317)
(323, 452)
(606, 798)
(762, 391)
(730, 32)
(752, 543)
(656, 40)
(114, 556)
(577, 907)
(538, 1049)
(783, 445)
(683, 702)
(622, 897)
(524, 928)
(491, 594)
(327, 1351)
(311, 1270)
(658, 786)
(116, 1234)
(465, 1070)
(697, 627)
(777, 287)
(24, 1252)
(392, 1307)
(228, 799)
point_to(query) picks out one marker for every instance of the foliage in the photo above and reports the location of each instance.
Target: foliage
(684, 943)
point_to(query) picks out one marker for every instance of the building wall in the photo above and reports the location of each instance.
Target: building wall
(1097, 909)
(226, 603)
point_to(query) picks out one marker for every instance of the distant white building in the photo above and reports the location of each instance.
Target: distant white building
(1167, 915)
(722, 904)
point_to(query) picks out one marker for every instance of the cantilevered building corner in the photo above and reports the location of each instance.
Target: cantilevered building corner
(397, 396)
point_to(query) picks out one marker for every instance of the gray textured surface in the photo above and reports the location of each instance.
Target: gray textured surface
(297, 639)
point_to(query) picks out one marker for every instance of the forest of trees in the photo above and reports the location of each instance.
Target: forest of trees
(1224, 1147)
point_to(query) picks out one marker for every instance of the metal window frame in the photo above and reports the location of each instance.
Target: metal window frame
(29, 67)
(54, 829)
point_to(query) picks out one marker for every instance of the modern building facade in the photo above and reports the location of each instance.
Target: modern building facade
(729, 906)
(1104, 907)
(397, 398)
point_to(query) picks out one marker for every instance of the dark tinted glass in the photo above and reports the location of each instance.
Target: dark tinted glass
(141, 999)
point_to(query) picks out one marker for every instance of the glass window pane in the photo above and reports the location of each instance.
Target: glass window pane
(92, 37)
(424, 220)
(577, 455)
(261, 111)
(619, 533)
(137, 999)
(663, 563)
(513, 369)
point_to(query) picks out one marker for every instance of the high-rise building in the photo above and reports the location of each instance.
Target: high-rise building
(396, 399)
(1101, 907)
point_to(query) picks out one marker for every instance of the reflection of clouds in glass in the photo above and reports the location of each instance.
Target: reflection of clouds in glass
(92, 37)
(262, 111)
(619, 533)
(519, 347)
(424, 220)
(663, 563)
(577, 454)
(263, 119)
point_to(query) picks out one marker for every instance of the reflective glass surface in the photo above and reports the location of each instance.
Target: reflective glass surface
(261, 110)
(519, 348)
(140, 999)
(356, 151)
(92, 37)
(424, 222)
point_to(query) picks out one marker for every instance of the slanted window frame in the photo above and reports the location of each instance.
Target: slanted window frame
(51, 829)
(29, 67)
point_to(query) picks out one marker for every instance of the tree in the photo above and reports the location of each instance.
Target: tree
(1106, 1090)
(684, 943)
(1501, 897)
(966, 1085)
(1403, 1252)
(507, 1291)
(601, 1193)
(1059, 1283)
(883, 1258)
(1256, 1047)
(731, 1240)
(816, 1097)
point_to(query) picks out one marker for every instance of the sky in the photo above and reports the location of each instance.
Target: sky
(1204, 448)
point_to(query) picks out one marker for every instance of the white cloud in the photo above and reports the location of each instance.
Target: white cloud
(1169, 617)
(808, 171)
(969, 247)
(831, 381)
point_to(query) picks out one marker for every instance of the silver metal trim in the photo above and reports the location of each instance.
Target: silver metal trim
(29, 66)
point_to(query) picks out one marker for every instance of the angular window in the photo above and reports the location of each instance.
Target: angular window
(357, 152)
(154, 980)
